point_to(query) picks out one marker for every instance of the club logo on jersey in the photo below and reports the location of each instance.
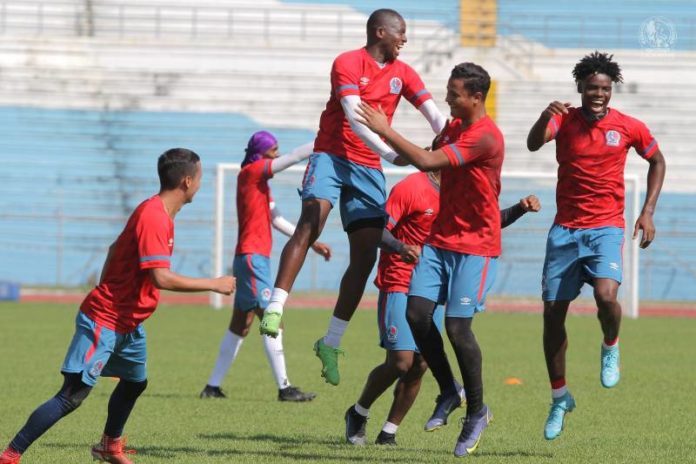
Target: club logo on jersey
(395, 85)
(364, 80)
(96, 369)
(429, 212)
(266, 294)
(466, 301)
(391, 334)
(613, 138)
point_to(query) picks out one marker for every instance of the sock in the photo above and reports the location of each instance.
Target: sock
(42, 419)
(229, 347)
(278, 299)
(360, 410)
(388, 427)
(558, 388)
(610, 343)
(121, 404)
(276, 358)
(334, 333)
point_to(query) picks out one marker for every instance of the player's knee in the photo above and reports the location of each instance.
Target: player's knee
(605, 295)
(401, 366)
(132, 390)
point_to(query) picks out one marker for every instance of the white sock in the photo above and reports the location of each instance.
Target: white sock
(388, 427)
(558, 392)
(276, 358)
(334, 333)
(229, 347)
(360, 410)
(278, 299)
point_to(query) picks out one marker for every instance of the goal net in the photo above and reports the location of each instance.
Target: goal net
(519, 272)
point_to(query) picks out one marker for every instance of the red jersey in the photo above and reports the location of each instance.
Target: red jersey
(469, 219)
(591, 159)
(412, 207)
(253, 210)
(126, 295)
(357, 73)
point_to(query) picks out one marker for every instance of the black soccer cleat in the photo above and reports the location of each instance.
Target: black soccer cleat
(295, 394)
(212, 392)
(355, 427)
(385, 438)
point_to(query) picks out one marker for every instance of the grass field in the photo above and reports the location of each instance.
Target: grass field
(648, 418)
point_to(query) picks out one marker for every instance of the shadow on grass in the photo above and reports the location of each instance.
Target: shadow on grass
(518, 454)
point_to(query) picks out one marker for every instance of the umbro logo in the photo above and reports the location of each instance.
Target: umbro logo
(465, 301)
(614, 266)
(428, 212)
(364, 80)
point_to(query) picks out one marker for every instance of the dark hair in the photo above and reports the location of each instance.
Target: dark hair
(476, 79)
(379, 17)
(597, 63)
(175, 164)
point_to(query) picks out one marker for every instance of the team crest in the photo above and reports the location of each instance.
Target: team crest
(266, 294)
(392, 334)
(613, 138)
(395, 85)
(96, 369)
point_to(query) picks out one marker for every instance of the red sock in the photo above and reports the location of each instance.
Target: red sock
(611, 342)
(558, 383)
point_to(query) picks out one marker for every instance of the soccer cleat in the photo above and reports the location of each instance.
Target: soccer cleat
(212, 392)
(472, 431)
(111, 450)
(444, 405)
(329, 361)
(10, 456)
(556, 420)
(294, 394)
(355, 427)
(385, 438)
(270, 324)
(610, 373)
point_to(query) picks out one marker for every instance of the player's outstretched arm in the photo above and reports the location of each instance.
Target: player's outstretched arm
(297, 155)
(527, 204)
(539, 134)
(376, 121)
(165, 279)
(287, 228)
(656, 177)
(432, 114)
(350, 104)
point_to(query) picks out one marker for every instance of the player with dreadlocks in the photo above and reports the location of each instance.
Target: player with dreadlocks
(586, 239)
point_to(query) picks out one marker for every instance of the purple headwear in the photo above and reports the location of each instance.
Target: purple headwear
(259, 143)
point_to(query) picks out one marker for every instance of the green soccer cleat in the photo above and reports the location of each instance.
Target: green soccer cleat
(270, 324)
(329, 361)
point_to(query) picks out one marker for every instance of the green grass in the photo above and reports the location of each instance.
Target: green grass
(649, 417)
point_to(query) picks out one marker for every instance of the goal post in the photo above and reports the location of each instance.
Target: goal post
(521, 264)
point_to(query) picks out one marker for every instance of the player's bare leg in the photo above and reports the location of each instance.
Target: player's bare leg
(363, 255)
(555, 347)
(309, 227)
(609, 314)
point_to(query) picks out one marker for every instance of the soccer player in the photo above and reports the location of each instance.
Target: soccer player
(586, 239)
(109, 336)
(412, 206)
(460, 257)
(256, 213)
(346, 168)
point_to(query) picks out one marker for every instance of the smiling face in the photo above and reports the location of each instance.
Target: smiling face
(392, 37)
(462, 103)
(595, 91)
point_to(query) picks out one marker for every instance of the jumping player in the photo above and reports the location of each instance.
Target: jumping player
(412, 206)
(459, 259)
(346, 168)
(256, 213)
(109, 336)
(586, 239)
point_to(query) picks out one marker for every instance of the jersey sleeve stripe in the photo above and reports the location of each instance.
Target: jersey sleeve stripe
(457, 153)
(648, 150)
(392, 221)
(419, 94)
(146, 259)
(341, 88)
(554, 129)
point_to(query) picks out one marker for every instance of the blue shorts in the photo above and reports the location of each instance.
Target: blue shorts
(461, 281)
(394, 332)
(96, 350)
(253, 274)
(576, 256)
(360, 189)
